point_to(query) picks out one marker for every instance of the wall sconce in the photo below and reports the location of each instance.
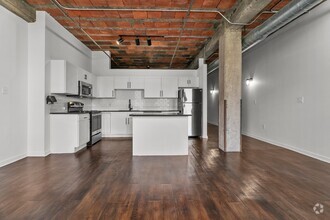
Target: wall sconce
(249, 81)
(213, 91)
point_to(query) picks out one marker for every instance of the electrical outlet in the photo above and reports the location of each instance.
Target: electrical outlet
(4, 90)
(255, 101)
(301, 100)
(264, 127)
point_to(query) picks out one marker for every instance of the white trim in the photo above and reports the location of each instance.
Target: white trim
(37, 154)
(12, 160)
(288, 147)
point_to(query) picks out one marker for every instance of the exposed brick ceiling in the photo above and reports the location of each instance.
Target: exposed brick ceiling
(106, 27)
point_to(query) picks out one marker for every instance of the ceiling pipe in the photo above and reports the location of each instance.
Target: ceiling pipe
(182, 29)
(157, 10)
(287, 14)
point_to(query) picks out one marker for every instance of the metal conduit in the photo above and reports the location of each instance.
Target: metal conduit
(287, 14)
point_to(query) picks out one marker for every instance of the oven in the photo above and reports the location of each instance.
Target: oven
(85, 89)
(95, 127)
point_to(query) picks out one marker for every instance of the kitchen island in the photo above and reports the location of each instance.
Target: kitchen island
(160, 134)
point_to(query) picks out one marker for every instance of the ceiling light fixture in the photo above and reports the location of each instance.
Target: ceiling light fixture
(137, 41)
(149, 41)
(120, 41)
(249, 81)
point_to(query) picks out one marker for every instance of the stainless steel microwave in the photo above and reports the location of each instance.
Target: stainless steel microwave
(85, 89)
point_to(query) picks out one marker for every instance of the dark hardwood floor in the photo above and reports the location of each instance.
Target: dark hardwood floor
(106, 182)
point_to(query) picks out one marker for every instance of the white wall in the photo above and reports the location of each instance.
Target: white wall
(48, 40)
(213, 98)
(13, 78)
(293, 63)
(202, 74)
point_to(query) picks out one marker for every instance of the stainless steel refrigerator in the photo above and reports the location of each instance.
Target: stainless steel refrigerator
(190, 102)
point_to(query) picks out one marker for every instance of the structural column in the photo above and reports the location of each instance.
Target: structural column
(230, 74)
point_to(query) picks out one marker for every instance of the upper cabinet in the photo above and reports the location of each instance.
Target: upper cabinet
(124, 82)
(161, 87)
(64, 77)
(188, 82)
(152, 87)
(104, 88)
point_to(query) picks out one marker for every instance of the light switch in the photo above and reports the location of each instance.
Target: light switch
(4, 90)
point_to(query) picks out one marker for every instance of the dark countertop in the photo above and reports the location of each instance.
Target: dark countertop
(138, 110)
(160, 115)
(87, 112)
(69, 113)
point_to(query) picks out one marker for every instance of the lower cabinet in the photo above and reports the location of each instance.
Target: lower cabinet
(117, 124)
(69, 132)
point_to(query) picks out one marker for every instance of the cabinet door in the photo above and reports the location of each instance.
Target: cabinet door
(170, 87)
(152, 87)
(72, 79)
(105, 87)
(118, 122)
(106, 123)
(136, 83)
(189, 81)
(193, 82)
(121, 82)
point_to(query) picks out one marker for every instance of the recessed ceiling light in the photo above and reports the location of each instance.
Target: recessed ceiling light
(137, 41)
(120, 41)
(149, 41)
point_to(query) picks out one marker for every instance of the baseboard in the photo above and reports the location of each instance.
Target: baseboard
(12, 160)
(38, 154)
(288, 147)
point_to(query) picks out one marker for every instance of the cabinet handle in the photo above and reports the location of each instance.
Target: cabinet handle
(128, 120)
(112, 93)
(130, 85)
(125, 121)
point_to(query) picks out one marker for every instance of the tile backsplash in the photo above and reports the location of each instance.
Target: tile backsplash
(120, 102)
(62, 100)
(138, 101)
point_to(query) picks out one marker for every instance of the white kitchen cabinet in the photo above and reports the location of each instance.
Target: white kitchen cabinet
(189, 81)
(106, 124)
(69, 132)
(118, 122)
(104, 87)
(63, 77)
(152, 87)
(85, 76)
(123, 82)
(136, 82)
(170, 87)
(157, 87)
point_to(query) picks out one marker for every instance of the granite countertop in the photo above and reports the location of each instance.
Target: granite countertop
(138, 110)
(117, 110)
(160, 115)
(69, 113)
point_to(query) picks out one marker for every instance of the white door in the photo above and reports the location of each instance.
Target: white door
(136, 83)
(105, 87)
(170, 87)
(106, 123)
(152, 87)
(121, 82)
(119, 123)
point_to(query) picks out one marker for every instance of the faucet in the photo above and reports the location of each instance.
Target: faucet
(130, 105)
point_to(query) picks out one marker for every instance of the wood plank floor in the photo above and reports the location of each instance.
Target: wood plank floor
(106, 182)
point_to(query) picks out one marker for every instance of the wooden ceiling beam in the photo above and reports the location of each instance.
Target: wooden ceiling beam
(244, 12)
(21, 9)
